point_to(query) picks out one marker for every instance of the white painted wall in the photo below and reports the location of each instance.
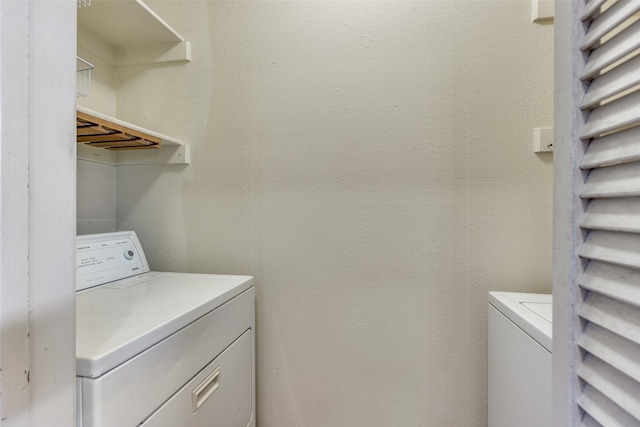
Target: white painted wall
(96, 184)
(370, 163)
(96, 194)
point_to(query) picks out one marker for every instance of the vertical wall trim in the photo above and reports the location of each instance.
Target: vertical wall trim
(37, 213)
(52, 174)
(568, 208)
(14, 210)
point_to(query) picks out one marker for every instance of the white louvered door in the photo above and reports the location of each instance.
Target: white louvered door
(608, 278)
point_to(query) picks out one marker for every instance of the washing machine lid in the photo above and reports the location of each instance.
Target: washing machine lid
(533, 313)
(118, 320)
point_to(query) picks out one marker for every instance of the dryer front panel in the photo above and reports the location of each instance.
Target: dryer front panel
(219, 396)
(130, 393)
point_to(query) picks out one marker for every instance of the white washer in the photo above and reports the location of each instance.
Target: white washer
(160, 349)
(519, 359)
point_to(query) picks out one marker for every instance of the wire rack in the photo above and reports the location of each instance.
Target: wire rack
(83, 3)
(83, 77)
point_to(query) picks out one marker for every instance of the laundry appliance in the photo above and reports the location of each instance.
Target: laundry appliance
(158, 349)
(520, 339)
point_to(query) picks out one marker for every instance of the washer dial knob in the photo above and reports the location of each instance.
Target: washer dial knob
(128, 254)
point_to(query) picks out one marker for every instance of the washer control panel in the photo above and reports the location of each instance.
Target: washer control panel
(104, 258)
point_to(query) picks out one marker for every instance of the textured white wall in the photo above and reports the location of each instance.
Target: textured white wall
(95, 198)
(370, 163)
(96, 184)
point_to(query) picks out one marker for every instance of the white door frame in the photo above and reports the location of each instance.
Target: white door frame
(568, 208)
(37, 212)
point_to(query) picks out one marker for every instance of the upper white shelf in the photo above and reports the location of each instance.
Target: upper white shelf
(128, 32)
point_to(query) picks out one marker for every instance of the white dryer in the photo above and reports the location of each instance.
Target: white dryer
(519, 359)
(159, 349)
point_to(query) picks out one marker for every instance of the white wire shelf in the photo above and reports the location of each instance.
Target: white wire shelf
(83, 77)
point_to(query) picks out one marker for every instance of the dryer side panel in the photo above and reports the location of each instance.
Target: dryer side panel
(519, 376)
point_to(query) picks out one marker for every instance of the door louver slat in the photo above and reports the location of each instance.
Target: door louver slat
(617, 387)
(621, 147)
(617, 317)
(604, 411)
(618, 214)
(613, 84)
(587, 421)
(593, 6)
(618, 47)
(612, 349)
(608, 21)
(614, 281)
(613, 117)
(611, 247)
(615, 181)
